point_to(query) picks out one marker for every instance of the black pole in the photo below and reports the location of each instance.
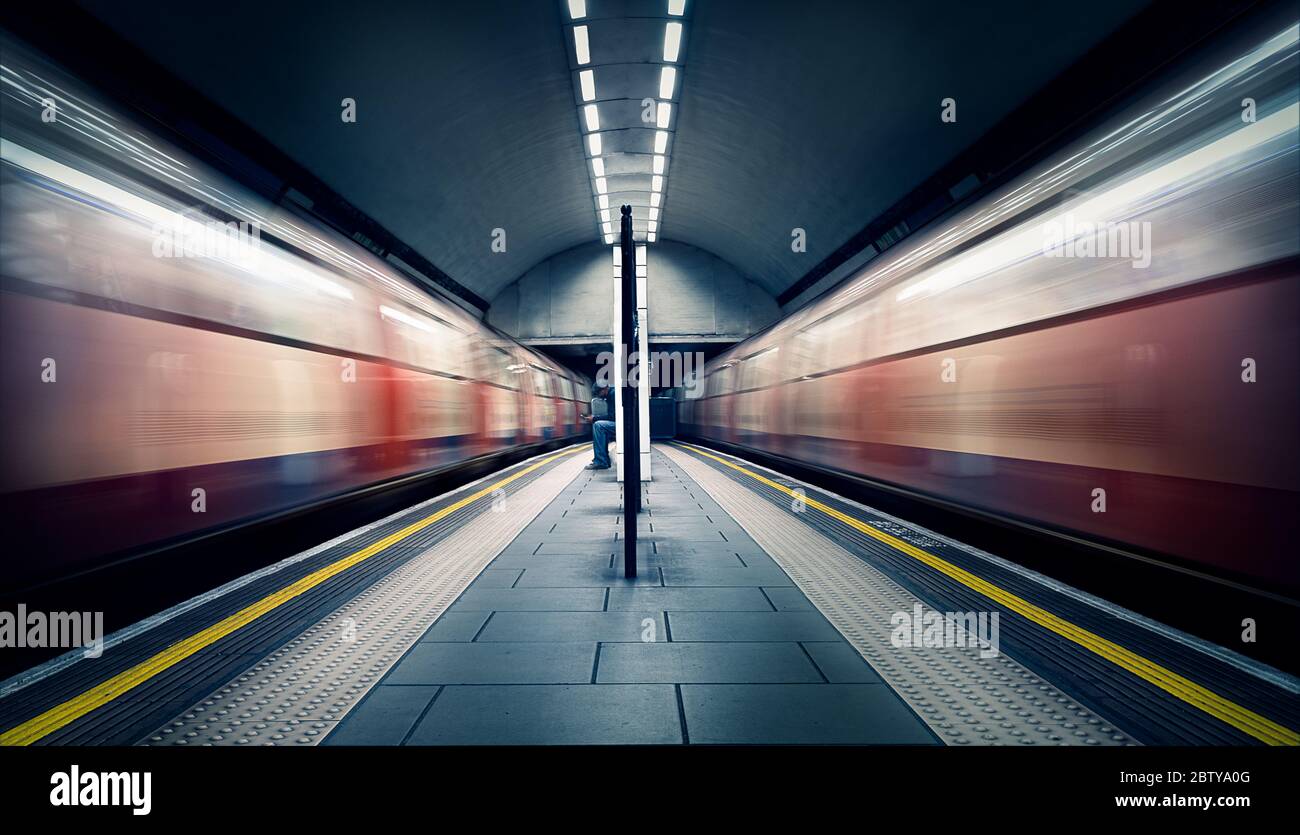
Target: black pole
(631, 431)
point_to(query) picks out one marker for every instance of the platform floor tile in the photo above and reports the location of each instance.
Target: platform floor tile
(688, 598)
(496, 663)
(705, 663)
(591, 714)
(751, 626)
(840, 663)
(574, 626)
(800, 714)
(530, 600)
(387, 715)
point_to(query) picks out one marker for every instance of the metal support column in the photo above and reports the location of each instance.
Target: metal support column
(631, 427)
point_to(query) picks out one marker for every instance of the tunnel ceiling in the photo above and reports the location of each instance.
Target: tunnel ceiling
(814, 115)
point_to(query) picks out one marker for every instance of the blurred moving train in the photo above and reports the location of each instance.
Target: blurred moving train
(166, 371)
(979, 364)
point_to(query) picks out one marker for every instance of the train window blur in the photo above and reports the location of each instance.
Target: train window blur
(803, 355)
(720, 380)
(449, 349)
(501, 368)
(542, 382)
(817, 348)
(847, 336)
(409, 337)
(760, 370)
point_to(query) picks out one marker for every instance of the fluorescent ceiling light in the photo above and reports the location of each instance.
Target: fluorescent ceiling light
(600, 185)
(609, 239)
(587, 79)
(580, 45)
(656, 183)
(654, 214)
(659, 163)
(578, 8)
(655, 198)
(593, 116)
(604, 215)
(603, 200)
(675, 7)
(665, 112)
(598, 165)
(608, 228)
(672, 40)
(667, 81)
(652, 226)
(661, 141)
(650, 236)
(593, 144)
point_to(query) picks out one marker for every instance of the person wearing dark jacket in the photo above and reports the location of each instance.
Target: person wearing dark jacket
(602, 426)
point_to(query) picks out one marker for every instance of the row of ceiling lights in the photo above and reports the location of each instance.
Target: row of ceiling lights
(662, 114)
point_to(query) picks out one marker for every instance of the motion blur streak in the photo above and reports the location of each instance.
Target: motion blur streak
(154, 393)
(973, 366)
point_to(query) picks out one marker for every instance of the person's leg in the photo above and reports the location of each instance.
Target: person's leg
(602, 431)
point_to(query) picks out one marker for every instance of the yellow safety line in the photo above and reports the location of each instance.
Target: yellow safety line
(57, 717)
(1260, 727)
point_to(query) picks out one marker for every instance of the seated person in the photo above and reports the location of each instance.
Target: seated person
(602, 426)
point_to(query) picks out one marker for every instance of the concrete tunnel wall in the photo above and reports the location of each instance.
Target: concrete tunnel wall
(695, 296)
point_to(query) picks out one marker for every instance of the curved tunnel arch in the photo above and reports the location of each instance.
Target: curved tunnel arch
(695, 297)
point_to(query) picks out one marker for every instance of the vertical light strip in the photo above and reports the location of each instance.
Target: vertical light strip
(581, 49)
(672, 41)
(629, 144)
(667, 81)
(668, 88)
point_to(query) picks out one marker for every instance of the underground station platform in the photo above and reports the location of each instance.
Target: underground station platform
(595, 403)
(763, 611)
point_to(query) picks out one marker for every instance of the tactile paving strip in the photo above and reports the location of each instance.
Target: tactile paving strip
(296, 695)
(965, 699)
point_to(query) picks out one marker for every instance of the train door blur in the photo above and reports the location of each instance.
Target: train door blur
(453, 423)
(557, 405)
(508, 406)
(773, 396)
(726, 400)
(394, 409)
(479, 398)
(971, 388)
(529, 413)
(543, 403)
(570, 415)
(564, 402)
(293, 393)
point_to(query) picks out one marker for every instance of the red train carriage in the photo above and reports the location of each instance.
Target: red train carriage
(166, 374)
